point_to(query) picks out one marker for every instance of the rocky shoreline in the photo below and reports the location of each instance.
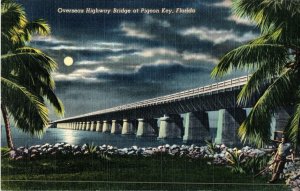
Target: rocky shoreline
(219, 154)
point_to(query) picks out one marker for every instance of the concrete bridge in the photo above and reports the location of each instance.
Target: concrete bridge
(179, 115)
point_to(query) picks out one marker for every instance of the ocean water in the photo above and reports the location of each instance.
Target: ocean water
(53, 135)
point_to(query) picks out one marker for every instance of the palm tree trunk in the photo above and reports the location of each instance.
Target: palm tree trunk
(7, 127)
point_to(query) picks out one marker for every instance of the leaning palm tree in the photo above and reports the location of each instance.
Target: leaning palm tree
(25, 73)
(275, 59)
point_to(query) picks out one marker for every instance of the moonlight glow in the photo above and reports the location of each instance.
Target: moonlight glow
(68, 61)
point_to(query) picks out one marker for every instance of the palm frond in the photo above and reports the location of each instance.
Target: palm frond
(36, 62)
(32, 118)
(256, 127)
(250, 56)
(293, 130)
(32, 69)
(39, 27)
(53, 100)
(259, 80)
(280, 13)
(13, 16)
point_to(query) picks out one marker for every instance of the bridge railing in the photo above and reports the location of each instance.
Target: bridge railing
(184, 94)
(188, 93)
(235, 82)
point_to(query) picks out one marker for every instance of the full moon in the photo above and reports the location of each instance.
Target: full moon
(68, 61)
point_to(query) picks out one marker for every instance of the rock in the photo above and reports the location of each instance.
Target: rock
(34, 151)
(110, 147)
(148, 152)
(131, 152)
(175, 151)
(30, 148)
(67, 146)
(49, 150)
(26, 151)
(77, 153)
(22, 148)
(134, 147)
(140, 151)
(56, 145)
(12, 154)
(246, 148)
(125, 150)
(19, 158)
(76, 148)
(174, 147)
(45, 146)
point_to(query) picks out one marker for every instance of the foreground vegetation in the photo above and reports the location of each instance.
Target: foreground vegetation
(159, 172)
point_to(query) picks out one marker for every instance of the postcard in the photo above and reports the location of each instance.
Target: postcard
(150, 95)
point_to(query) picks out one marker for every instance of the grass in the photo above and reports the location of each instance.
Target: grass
(160, 172)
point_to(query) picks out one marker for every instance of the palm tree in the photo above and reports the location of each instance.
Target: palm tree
(25, 73)
(274, 57)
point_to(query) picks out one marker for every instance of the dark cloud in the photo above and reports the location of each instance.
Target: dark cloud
(151, 73)
(124, 58)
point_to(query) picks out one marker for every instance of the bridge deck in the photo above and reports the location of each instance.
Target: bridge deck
(209, 89)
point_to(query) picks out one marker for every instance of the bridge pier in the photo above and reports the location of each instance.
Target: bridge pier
(59, 125)
(75, 126)
(115, 127)
(98, 126)
(88, 126)
(128, 127)
(228, 123)
(146, 127)
(93, 124)
(84, 125)
(170, 127)
(196, 127)
(281, 117)
(80, 126)
(106, 127)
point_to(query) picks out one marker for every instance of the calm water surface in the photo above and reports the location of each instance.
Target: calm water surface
(53, 135)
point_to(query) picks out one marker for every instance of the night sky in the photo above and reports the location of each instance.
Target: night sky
(122, 58)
